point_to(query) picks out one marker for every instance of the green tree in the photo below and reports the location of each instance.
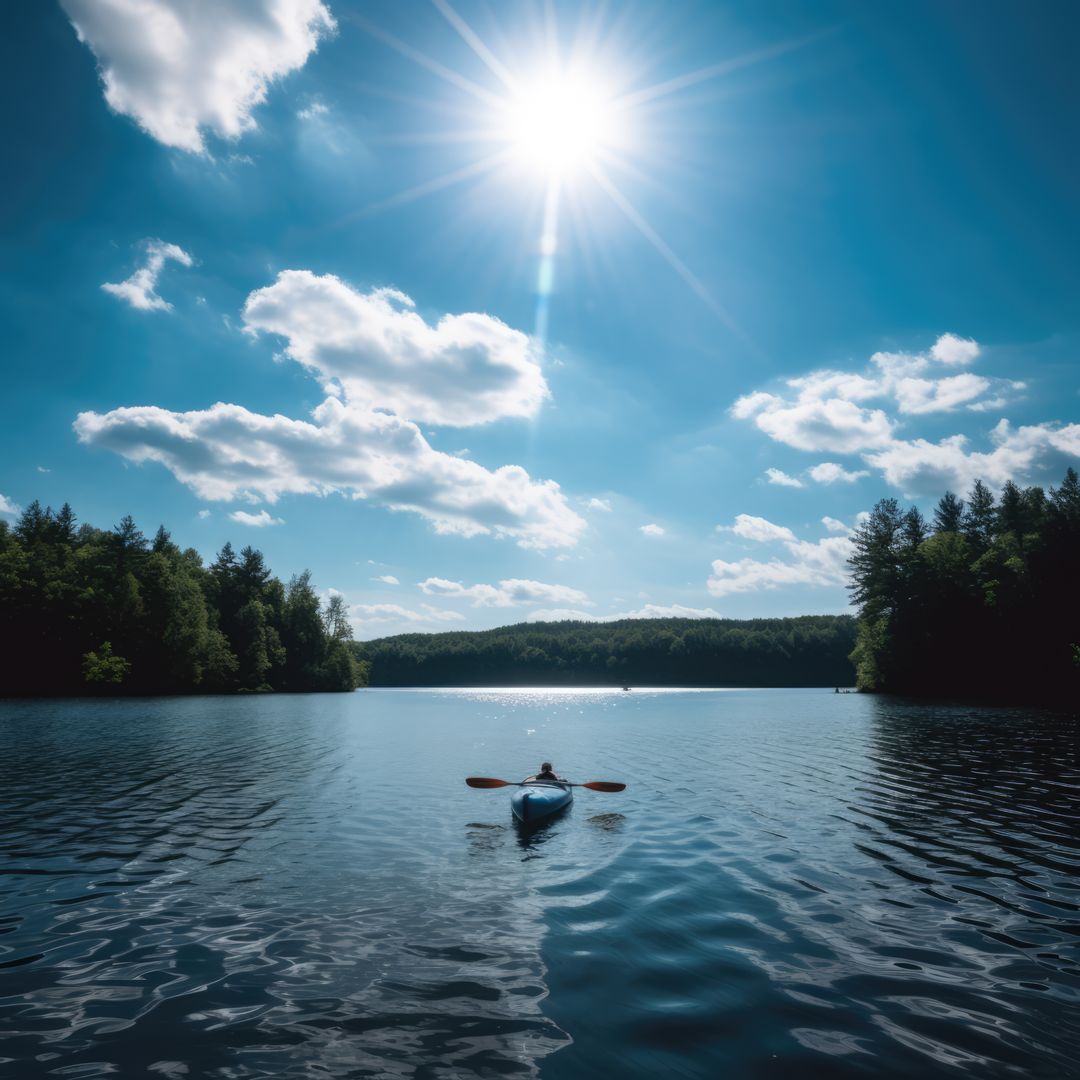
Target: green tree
(103, 667)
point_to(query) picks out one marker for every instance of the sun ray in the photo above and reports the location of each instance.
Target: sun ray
(451, 76)
(665, 250)
(429, 187)
(473, 40)
(714, 71)
(564, 121)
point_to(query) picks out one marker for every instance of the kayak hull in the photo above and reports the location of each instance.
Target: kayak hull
(535, 802)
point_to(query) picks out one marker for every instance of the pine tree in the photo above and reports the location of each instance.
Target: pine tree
(949, 515)
(980, 518)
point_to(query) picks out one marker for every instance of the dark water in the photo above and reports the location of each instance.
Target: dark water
(794, 884)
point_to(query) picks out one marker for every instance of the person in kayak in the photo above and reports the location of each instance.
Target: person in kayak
(546, 773)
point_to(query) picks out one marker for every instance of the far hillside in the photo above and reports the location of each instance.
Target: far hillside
(811, 650)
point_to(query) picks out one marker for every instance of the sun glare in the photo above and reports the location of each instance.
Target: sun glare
(560, 123)
(584, 126)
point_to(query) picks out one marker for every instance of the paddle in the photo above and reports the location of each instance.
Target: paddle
(488, 782)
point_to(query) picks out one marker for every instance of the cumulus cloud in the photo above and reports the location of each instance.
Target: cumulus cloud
(140, 290)
(828, 411)
(776, 476)
(649, 611)
(8, 507)
(466, 369)
(954, 351)
(815, 563)
(651, 529)
(375, 355)
(834, 525)
(600, 504)
(939, 395)
(387, 579)
(828, 472)
(257, 521)
(226, 453)
(812, 423)
(758, 529)
(508, 593)
(204, 514)
(182, 67)
(919, 467)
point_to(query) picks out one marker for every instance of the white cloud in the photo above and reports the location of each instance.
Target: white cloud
(834, 525)
(8, 507)
(810, 423)
(204, 514)
(600, 504)
(954, 351)
(382, 613)
(466, 369)
(180, 67)
(920, 467)
(140, 290)
(43, 469)
(387, 579)
(776, 476)
(826, 410)
(815, 564)
(508, 593)
(939, 395)
(828, 472)
(649, 611)
(310, 112)
(257, 521)
(227, 452)
(651, 530)
(757, 529)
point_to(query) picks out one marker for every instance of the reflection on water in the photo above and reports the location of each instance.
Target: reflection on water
(793, 882)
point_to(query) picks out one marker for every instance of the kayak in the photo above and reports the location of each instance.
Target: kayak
(539, 799)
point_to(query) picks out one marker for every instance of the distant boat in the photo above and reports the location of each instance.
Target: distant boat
(627, 689)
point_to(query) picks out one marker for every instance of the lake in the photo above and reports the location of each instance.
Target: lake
(794, 883)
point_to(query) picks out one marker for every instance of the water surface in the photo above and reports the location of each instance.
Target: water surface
(794, 883)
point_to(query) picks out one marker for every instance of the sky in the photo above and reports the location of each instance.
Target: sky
(494, 312)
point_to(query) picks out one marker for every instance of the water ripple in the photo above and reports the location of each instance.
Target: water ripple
(302, 886)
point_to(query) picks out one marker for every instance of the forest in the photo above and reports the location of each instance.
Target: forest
(85, 610)
(811, 650)
(981, 602)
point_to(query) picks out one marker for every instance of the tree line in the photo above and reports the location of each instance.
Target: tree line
(808, 651)
(984, 601)
(84, 609)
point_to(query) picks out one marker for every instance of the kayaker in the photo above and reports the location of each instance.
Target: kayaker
(546, 773)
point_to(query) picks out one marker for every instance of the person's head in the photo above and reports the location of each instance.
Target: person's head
(546, 767)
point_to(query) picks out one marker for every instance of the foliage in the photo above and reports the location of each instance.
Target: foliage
(83, 609)
(103, 667)
(987, 605)
(807, 651)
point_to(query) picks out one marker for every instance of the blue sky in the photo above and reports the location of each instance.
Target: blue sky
(486, 311)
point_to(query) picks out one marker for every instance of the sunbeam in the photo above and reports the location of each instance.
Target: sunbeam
(559, 118)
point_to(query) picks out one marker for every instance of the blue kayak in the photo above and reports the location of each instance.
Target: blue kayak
(538, 799)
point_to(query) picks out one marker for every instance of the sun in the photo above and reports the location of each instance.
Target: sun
(561, 123)
(565, 118)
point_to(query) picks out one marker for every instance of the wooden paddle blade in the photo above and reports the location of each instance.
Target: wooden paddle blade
(603, 785)
(485, 782)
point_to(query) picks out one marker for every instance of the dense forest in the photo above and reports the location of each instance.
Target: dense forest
(84, 610)
(808, 651)
(984, 601)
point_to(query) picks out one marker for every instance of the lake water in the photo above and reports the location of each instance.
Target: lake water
(794, 884)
